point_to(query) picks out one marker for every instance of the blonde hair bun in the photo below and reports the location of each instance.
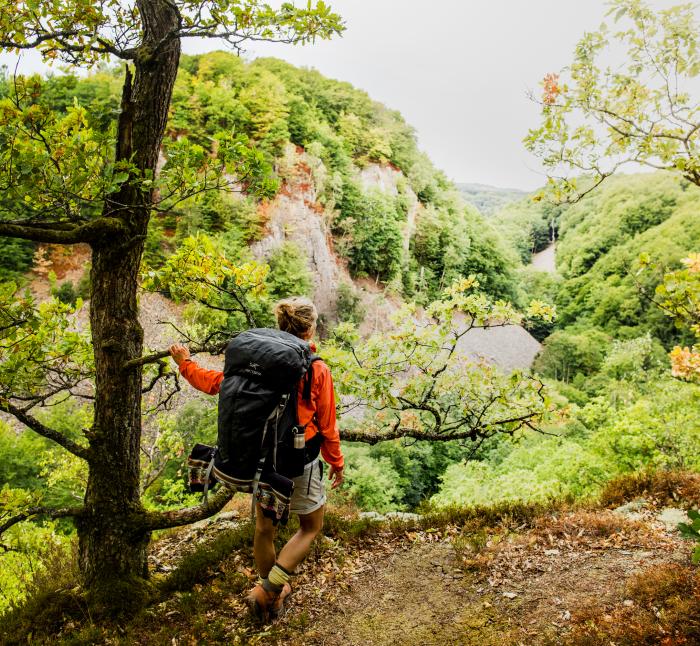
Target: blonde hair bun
(296, 315)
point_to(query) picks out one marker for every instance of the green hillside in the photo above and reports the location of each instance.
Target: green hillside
(272, 105)
(527, 226)
(599, 240)
(281, 112)
(606, 355)
(489, 199)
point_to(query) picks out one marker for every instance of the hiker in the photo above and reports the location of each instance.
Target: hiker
(298, 317)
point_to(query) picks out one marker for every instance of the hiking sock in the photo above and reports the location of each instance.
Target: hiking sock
(276, 579)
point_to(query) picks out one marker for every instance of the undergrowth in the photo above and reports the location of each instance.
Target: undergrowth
(665, 487)
(661, 606)
(52, 599)
(197, 591)
(198, 566)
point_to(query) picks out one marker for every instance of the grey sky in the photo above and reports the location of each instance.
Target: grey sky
(458, 70)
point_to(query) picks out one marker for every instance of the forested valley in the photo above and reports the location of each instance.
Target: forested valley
(485, 402)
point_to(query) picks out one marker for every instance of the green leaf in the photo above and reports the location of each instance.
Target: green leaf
(696, 555)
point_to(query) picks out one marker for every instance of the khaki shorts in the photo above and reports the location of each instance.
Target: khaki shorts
(309, 489)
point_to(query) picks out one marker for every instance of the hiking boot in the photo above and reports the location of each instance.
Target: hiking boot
(277, 609)
(260, 603)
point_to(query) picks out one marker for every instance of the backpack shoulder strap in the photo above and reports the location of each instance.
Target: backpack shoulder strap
(308, 378)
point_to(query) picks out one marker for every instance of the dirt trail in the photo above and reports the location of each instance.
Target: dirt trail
(417, 598)
(413, 598)
(524, 591)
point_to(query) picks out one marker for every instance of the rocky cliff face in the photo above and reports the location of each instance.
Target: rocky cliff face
(295, 215)
(510, 347)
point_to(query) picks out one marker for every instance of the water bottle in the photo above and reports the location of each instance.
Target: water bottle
(299, 440)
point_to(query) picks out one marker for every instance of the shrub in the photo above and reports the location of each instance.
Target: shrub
(665, 609)
(665, 487)
(16, 257)
(370, 225)
(371, 484)
(289, 272)
(691, 531)
(349, 305)
(66, 293)
(36, 563)
(635, 359)
(657, 431)
(538, 470)
(566, 354)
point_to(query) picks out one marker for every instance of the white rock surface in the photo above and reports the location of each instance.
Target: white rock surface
(671, 516)
(511, 347)
(402, 515)
(633, 510)
(296, 216)
(373, 516)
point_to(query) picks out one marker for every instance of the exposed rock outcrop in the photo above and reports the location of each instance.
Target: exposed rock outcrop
(510, 347)
(295, 215)
(545, 260)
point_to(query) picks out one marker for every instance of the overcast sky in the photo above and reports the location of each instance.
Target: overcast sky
(458, 70)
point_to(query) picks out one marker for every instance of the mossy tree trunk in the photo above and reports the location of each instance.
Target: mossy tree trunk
(113, 527)
(112, 539)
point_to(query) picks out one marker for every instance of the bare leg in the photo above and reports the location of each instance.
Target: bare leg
(264, 543)
(299, 545)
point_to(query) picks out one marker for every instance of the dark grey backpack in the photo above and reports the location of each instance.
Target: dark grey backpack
(260, 441)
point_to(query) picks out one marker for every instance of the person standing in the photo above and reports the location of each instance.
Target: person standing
(297, 316)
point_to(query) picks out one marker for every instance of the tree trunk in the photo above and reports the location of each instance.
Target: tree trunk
(112, 540)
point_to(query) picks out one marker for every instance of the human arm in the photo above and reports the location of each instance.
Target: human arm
(208, 381)
(327, 423)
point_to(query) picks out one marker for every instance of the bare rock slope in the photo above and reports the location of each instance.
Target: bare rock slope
(295, 215)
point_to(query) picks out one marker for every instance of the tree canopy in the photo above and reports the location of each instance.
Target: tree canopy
(598, 118)
(67, 182)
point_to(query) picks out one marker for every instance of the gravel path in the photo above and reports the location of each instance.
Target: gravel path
(546, 260)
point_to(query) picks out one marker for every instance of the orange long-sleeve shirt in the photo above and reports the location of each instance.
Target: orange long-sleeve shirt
(318, 415)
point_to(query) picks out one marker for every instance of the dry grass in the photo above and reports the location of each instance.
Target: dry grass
(587, 525)
(663, 487)
(483, 548)
(661, 607)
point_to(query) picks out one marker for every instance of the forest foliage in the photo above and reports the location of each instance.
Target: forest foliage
(198, 253)
(622, 356)
(626, 261)
(275, 105)
(627, 305)
(272, 104)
